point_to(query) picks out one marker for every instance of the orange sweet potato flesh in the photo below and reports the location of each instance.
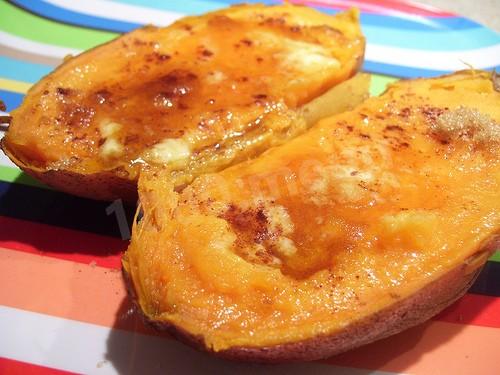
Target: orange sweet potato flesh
(196, 96)
(371, 222)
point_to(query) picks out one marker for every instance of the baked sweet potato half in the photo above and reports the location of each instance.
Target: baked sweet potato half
(196, 96)
(371, 222)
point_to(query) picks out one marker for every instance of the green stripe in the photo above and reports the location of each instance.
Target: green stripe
(496, 256)
(379, 83)
(26, 25)
(15, 175)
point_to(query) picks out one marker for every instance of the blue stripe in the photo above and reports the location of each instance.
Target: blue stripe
(407, 72)
(431, 39)
(398, 70)
(449, 40)
(488, 281)
(56, 13)
(20, 70)
(11, 99)
(419, 23)
(189, 7)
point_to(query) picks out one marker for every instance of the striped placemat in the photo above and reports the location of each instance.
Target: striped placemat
(63, 306)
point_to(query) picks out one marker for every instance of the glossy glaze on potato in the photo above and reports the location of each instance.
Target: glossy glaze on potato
(376, 218)
(195, 96)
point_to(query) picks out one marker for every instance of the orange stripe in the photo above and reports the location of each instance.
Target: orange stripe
(66, 289)
(97, 295)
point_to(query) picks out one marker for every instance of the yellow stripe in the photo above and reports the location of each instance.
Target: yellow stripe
(15, 86)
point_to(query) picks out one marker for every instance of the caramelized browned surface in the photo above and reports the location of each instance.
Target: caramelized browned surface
(351, 218)
(185, 94)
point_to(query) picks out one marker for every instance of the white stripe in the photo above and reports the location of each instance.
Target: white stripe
(479, 58)
(91, 349)
(118, 11)
(4, 160)
(29, 46)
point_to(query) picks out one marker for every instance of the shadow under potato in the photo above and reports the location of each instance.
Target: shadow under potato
(134, 348)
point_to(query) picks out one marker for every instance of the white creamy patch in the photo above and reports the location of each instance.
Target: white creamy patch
(279, 219)
(111, 147)
(215, 77)
(286, 246)
(357, 173)
(300, 55)
(168, 151)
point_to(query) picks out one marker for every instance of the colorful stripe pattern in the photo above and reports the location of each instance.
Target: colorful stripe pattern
(63, 306)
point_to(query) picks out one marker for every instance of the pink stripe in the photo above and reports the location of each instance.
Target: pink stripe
(67, 244)
(380, 7)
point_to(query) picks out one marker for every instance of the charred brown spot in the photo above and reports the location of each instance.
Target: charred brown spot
(205, 52)
(247, 42)
(432, 113)
(364, 136)
(203, 124)
(63, 91)
(77, 116)
(131, 138)
(102, 96)
(260, 96)
(495, 78)
(176, 84)
(139, 42)
(163, 57)
(273, 21)
(394, 128)
(250, 224)
(405, 112)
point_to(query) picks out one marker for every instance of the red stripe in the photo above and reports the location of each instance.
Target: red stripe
(89, 248)
(13, 367)
(381, 7)
(473, 309)
(67, 244)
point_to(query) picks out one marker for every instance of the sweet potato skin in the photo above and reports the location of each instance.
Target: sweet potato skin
(403, 314)
(105, 185)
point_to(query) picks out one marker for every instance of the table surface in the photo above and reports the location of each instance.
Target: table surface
(486, 12)
(62, 301)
